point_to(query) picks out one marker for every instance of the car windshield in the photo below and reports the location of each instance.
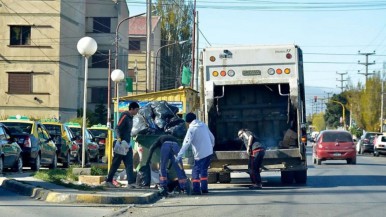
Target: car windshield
(98, 133)
(53, 130)
(15, 127)
(77, 131)
(334, 137)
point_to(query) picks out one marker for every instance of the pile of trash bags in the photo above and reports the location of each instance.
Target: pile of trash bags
(158, 117)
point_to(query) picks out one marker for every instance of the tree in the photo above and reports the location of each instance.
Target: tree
(353, 96)
(334, 111)
(100, 114)
(176, 26)
(318, 122)
(370, 104)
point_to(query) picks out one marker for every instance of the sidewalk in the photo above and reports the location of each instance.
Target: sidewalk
(49, 192)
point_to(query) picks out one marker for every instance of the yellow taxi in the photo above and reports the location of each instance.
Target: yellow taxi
(91, 143)
(67, 148)
(102, 133)
(38, 147)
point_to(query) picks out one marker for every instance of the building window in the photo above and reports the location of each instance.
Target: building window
(20, 35)
(99, 95)
(134, 45)
(19, 83)
(101, 25)
(100, 59)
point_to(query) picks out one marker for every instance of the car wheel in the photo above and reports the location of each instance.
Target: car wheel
(318, 161)
(1, 165)
(212, 177)
(36, 164)
(376, 154)
(96, 159)
(301, 176)
(18, 167)
(66, 163)
(54, 162)
(287, 177)
(224, 177)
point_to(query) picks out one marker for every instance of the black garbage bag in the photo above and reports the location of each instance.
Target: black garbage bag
(143, 176)
(147, 112)
(178, 130)
(173, 108)
(140, 125)
(162, 112)
(176, 127)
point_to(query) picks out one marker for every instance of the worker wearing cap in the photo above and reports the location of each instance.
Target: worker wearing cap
(202, 141)
(256, 154)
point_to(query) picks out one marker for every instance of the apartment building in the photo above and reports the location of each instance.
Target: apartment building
(41, 71)
(137, 52)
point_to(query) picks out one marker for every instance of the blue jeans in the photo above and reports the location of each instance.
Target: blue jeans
(200, 174)
(168, 150)
(127, 161)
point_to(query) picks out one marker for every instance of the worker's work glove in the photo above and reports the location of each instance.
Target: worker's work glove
(119, 140)
(177, 159)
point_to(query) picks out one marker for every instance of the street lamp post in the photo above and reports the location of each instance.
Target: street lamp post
(116, 62)
(343, 113)
(116, 37)
(117, 76)
(86, 46)
(156, 61)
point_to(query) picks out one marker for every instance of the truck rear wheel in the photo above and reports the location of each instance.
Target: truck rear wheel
(287, 177)
(301, 177)
(224, 177)
(212, 177)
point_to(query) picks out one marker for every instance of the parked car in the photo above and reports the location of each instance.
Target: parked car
(38, 147)
(67, 148)
(10, 151)
(101, 132)
(380, 145)
(366, 143)
(92, 147)
(334, 145)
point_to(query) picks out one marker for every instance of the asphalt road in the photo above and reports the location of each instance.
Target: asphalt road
(14, 205)
(333, 189)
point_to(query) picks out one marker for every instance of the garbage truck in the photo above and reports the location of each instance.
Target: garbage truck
(260, 88)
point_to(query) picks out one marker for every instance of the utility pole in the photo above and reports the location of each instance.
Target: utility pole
(366, 63)
(341, 80)
(193, 43)
(382, 94)
(148, 45)
(328, 94)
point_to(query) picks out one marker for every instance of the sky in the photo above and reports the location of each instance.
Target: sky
(330, 32)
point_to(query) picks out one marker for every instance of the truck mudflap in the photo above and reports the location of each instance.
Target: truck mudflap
(278, 159)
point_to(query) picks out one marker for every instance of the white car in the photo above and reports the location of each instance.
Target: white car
(380, 146)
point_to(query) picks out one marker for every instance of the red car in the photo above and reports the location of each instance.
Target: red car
(334, 145)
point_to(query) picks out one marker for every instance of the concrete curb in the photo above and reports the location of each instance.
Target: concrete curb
(95, 198)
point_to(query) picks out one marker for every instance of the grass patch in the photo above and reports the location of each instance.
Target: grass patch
(66, 178)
